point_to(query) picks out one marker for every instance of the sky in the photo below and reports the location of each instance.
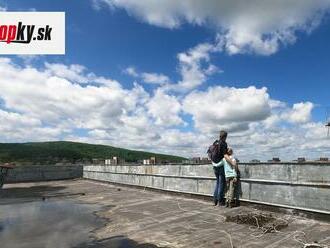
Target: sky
(166, 76)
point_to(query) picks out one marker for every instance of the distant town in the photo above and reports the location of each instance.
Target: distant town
(200, 160)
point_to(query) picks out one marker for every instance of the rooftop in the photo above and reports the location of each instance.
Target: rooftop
(82, 213)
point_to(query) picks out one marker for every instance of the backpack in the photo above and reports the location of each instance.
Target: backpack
(214, 151)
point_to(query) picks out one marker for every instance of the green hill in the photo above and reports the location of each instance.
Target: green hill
(59, 151)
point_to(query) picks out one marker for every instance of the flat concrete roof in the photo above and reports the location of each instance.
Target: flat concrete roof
(133, 217)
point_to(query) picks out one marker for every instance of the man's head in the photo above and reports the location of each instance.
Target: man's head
(230, 151)
(223, 135)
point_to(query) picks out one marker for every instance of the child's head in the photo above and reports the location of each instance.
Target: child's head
(230, 151)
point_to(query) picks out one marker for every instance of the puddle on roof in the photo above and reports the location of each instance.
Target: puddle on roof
(56, 224)
(47, 224)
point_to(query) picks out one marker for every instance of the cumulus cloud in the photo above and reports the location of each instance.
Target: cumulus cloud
(131, 71)
(154, 78)
(227, 108)
(308, 140)
(20, 127)
(192, 66)
(58, 101)
(72, 72)
(54, 100)
(300, 112)
(256, 26)
(148, 77)
(165, 109)
(77, 74)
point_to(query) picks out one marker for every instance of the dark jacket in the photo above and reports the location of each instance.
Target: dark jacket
(222, 150)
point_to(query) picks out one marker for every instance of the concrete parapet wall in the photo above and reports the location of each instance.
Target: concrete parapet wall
(43, 173)
(301, 186)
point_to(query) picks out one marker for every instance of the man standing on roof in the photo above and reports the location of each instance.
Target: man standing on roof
(217, 151)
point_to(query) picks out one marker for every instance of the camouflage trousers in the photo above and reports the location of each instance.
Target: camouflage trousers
(231, 184)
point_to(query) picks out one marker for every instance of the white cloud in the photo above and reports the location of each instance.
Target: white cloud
(191, 66)
(300, 112)
(165, 109)
(29, 59)
(272, 121)
(77, 74)
(194, 67)
(227, 108)
(20, 127)
(148, 77)
(211, 69)
(72, 72)
(288, 143)
(10, 119)
(257, 26)
(61, 101)
(53, 99)
(315, 131)
(276, 104)
(154, 78)
(131, 71)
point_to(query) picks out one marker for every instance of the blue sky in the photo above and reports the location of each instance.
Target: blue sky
(107, 37)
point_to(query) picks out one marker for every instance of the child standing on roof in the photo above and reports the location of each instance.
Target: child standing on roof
(231, 178)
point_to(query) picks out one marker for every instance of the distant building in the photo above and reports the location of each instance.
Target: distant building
(95, 161)
(196, 160)
(205, 160)
(114, 161)
(153, 160)
(301, 160)
(324, 159)
(274, 160)
(255, 161)
(146, 161)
